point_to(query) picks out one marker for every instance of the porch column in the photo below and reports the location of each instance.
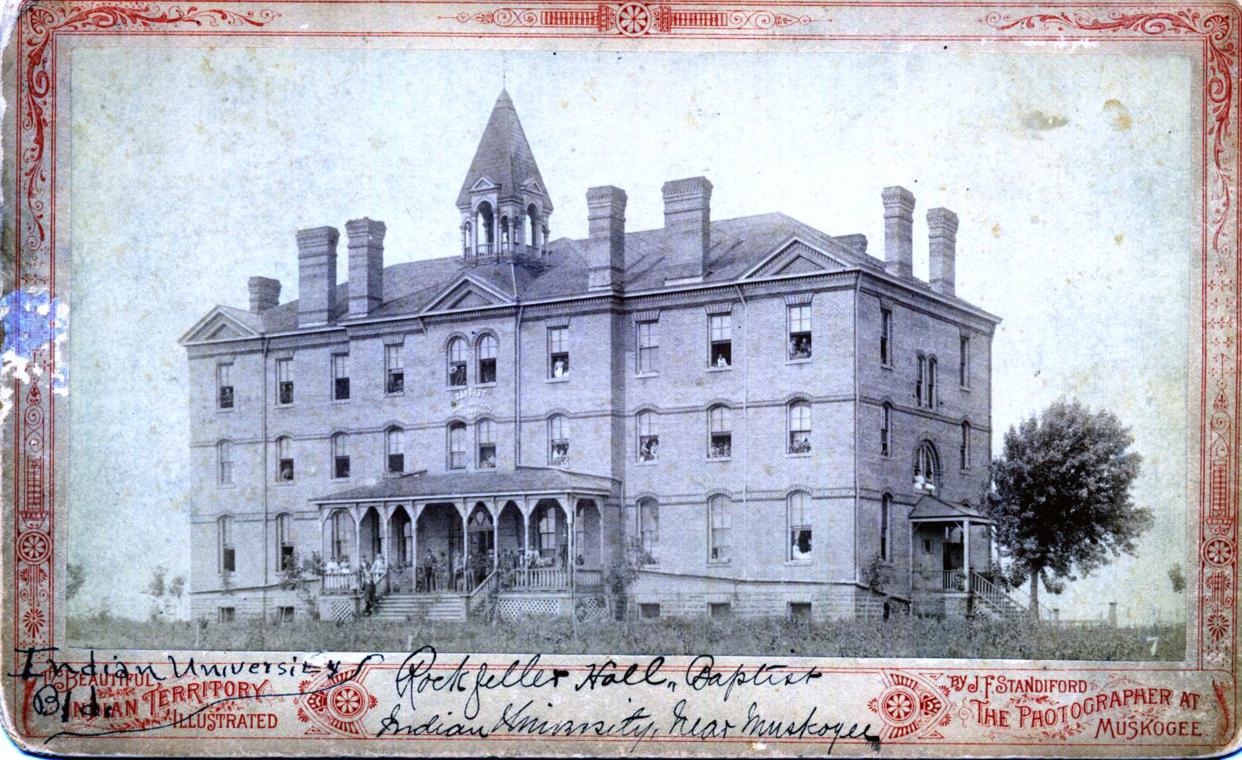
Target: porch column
(416, 511)
(357, 534)
(525, 528)
(570, 556)
(966, 551)
(387, 515)
(465, 542)
(495, 534)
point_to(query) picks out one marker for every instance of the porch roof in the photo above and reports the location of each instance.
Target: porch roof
(448, 486)
(930, 508)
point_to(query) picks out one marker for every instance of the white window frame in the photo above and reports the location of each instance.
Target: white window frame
(799, 421)
(284, 446)
(284, 537)
(964, 445)
(224, 463)
(394, 367)
(798, 325)
(558, 433)
(886, 533)
(487, 349)
(224, 379)
(719, 530)
(394, 445)
(719, 332)
(886, 336)
(340, 371)
(457, 356)
(284, 374)
(226, 552)
(647, 341)
(963, 361)
(340, 451)
(558, 346)
(456, 440)
(485, 435)
(798, 518)
(719, 422)
(886, 429)
(649, 527)
(648, 437)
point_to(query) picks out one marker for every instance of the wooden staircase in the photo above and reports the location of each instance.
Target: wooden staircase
(996, 602)
(444, 607)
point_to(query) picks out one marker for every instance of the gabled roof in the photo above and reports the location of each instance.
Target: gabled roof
(474, 483)
(224, 323)
(504, 158)
(467, 292)
(931, 508)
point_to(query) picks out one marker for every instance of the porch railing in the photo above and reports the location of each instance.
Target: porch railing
(340, 582)
(940, 580)
(482, 593)
(1014, 601)
(589, 577)
(540, 578)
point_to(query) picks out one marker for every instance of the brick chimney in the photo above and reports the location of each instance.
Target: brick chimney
(942, 249)
(606, 237)
(316, 275)
(366, 265)
(898, 231)
(264, 293)
(688, 214)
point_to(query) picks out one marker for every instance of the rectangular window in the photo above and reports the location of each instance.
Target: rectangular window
(800, 531)
(224, 453)
(800, 428)
(964, 448)
(394, 370)
(648, 347)
(487, 444)
(886, 337)
(340, 456)
(226, 614)
(228, 555)
(649, 611)
(648, 438)
(799, 332)
(720, 610)
(886, 428)
(719, 529)
(284, 614)
(284, 460)
(720, 337)
(487, 360)
(920, 380)
(649, 527)
(800, 612)
(885, 509)
(457, 446)
(395, 449)
(720, 432)
(558, 441)
(558, 351)
(224, 386)
(284, 381)
(963, 361)
(284, 540)
(340, 377)
(931, 383)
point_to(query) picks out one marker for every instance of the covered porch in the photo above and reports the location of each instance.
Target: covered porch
(950, 556)
(531, 529)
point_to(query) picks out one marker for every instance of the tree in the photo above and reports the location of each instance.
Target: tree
(1061, 500)
(74, 578)
(1176, 579)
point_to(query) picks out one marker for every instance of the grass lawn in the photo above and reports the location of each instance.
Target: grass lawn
(897, 637)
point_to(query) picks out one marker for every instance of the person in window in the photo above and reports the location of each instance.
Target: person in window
(799, 347)
(650, 450)
(721, 360)
(801, 444)
(558, 368)
(489, 460)
(560, 452)
(286, 471)
(801, 545)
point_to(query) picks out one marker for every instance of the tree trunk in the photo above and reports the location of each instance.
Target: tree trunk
(1035, 596)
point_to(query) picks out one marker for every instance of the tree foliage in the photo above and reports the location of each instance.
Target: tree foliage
(74, 578)
(1176, 579)
(1061, 502)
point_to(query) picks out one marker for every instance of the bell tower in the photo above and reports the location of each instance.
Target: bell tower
(503, 202)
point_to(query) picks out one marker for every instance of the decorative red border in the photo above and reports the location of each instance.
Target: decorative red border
(912, 704)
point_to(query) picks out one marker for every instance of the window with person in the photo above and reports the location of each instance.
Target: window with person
(719, 528)
(487, 359)
(228, 554)
(649, 527)
(886, 506)
(394, 450)
(800, 332)
(457, 362)
(558, 440)
(457, 446)
(648, 438)
(926, 468)
(886, 429)
(224, 463)
(224, 386)
(558, 352)
(886, 337)
(284, 382)
(284, 542)
(719, 432)
(648, 346)
(340, 377)
(340, 456)
(720, 341)
(798, 515)
(284, 459)
(485, 432)
(394, 369)
(799, 427)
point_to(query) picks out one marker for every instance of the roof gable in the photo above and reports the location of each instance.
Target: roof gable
(467, 292)
(794, 257)
(503, 158)
(221, 323)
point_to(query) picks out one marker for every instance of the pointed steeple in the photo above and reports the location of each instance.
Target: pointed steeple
(503, 158)
(504, 204)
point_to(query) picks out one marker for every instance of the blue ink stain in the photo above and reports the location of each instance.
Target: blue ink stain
(31, 321)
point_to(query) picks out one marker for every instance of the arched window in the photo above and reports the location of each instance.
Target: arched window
(926, 468)
(886, 508)
(719, 432)
(504, 233)
(224, 463)
(798, 518)
(931, 383)
(340, 455)
(457, 446)
(886, 429)
(457, 362)
(394, 450)
(799, 427)
(964, 446)
(719, 527)
(284, 460)
(558, 440)
(532, 213)
(284, 542)
(485, 433)
(649, 526)
(648, 437)
(487, 360)
(227, 555)
(486, 228)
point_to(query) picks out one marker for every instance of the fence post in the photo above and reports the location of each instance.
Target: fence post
(1112, 614)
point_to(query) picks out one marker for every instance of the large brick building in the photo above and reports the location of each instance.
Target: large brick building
(761, 417)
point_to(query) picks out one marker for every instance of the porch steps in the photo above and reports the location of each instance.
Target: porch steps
(995, 601)
(444, 607)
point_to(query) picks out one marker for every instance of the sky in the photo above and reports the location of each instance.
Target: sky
(1072, 175)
